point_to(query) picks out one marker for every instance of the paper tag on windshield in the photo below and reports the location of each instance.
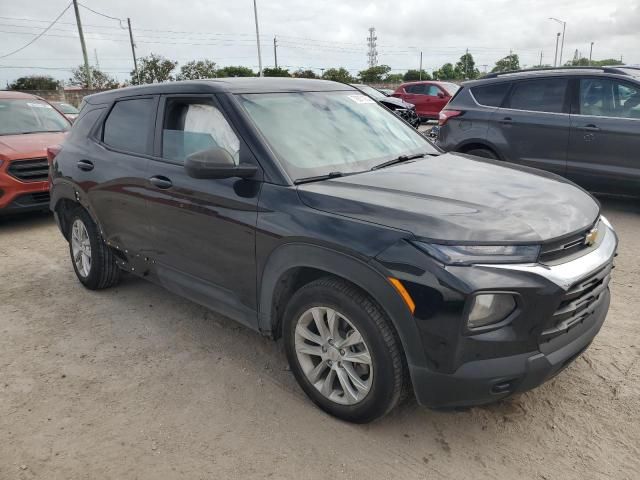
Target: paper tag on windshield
(39, 105)
(361, 99)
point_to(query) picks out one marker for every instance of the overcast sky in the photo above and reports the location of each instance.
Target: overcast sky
(314, 34)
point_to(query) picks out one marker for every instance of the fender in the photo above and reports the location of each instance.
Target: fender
(369, 276)
(62, 189)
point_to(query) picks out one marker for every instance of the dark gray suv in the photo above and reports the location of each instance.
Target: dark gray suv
(581, 123)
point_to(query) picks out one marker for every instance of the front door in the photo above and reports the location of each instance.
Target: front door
(534, 128)
(604, 146)
(203, 230)
(436, 100)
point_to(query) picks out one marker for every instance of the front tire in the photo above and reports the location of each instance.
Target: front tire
(92, 260)
(343, 351)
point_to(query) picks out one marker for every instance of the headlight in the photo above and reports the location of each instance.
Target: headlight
(470, 254)
(489, 308)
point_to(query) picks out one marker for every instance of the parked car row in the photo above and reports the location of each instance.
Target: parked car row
(307, 211)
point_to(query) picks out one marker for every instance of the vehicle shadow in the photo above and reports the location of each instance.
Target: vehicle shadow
(25, 220)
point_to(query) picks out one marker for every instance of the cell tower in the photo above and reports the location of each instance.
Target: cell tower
(372, 54)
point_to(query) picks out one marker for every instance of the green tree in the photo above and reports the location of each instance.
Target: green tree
(393, 78)
(414, 75)
(197, 69)
(446, 72)
(236, 71)
(341, 75)
(99, 79)
(584, 62)
(466, 68)
(153, 69)
(374, 74)
(276, 72)
(35, 82)
(507, 64)
(300, 73)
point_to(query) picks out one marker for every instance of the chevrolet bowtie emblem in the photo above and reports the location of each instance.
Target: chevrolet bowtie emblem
(591, 237)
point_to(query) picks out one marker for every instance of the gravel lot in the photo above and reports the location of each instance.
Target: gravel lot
(137, 383)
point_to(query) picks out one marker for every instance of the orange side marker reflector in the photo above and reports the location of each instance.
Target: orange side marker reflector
(403, 293)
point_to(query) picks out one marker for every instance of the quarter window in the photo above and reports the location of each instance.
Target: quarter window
(545, 95)
(129, 125)
(602, 97)
(491, 95)
(194, 125)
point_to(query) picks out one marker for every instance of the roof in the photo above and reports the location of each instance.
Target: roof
(222, 85)
(7, 94)
(622, 71)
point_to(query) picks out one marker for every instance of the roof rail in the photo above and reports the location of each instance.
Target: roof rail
(606, 69)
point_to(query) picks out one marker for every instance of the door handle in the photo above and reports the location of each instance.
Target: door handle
(85, 165)
(161, 182)
(591, 128)
(506, 121)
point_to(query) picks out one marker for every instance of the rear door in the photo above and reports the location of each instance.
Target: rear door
(533, 126)
(203, 230)
(113, 171)
(604, 145)
(437, 98)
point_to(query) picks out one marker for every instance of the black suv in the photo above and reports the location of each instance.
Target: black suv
(581, 123)
(306, 210)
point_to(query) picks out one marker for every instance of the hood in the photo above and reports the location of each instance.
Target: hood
(28, 145)
(455, 197)
(394, 102)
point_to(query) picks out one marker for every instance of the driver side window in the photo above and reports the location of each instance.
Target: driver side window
(194, 125)
(608, 98)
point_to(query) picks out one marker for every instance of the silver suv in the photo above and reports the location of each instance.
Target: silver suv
(581, 123)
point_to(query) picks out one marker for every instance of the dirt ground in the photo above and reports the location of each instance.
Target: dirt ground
(137, 383)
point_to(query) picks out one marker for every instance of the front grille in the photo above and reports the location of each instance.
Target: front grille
(34, 170)
(579, 303)
(561, 250)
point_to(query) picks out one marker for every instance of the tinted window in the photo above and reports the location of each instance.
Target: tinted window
(194, 125)
(85, 122)
(545, 95)
(129, 125)
(419, 89)
(491, 95)
(609, 98)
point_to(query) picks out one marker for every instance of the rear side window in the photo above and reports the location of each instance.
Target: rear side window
(491, 95)
(544, 95)
(85, 122)
(418, 89)
(129, 125)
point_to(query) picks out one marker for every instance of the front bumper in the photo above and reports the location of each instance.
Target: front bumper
(18, 196)
(486, 381)
(561, 309)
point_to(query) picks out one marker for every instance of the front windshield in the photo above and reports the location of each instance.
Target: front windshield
(372, 92)
(318, 133)
(22, 115)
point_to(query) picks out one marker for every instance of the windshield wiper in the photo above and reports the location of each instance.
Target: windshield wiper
(400, 159)
(320, 177)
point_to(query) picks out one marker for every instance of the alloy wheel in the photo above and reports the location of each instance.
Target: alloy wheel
(81, 247)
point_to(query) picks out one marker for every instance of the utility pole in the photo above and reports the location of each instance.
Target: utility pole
(420, 65)
(540, 64)
(255, 14)
(275, 51)
(555, 59)
(87, 70)
(591, 53)
(95, 54)
(466, 56)
(133, 50)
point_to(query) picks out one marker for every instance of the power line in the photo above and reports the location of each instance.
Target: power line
(41, 33)
(103, 15)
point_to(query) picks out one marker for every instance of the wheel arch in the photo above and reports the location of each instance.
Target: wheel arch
(473, 144)
(291, 266)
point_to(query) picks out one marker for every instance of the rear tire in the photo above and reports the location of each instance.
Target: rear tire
(482, 152)
(92, 260)
(352, 365)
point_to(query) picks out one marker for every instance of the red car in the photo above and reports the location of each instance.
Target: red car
(429, 97)
(28, 125)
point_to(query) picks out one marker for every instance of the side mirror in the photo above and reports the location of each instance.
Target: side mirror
(440, 95)
(216, 163)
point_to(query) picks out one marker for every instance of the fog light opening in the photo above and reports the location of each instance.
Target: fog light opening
(490, 308)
